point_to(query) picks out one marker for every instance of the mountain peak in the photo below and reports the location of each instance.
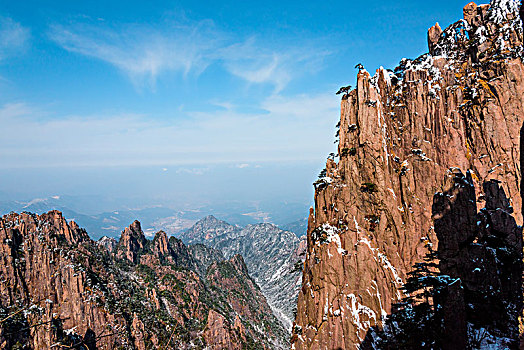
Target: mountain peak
(207, 229)
(144, 294)
(161, 244)
(136, 227)
(132, 242)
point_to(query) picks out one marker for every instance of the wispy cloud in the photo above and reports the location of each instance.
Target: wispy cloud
(11, 111)
(303, 106)
(198, 138)
(192, 171)
(144, 51)
(13, 37)
(257, 63)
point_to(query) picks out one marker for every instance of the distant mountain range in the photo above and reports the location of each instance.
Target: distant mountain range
(155, 218)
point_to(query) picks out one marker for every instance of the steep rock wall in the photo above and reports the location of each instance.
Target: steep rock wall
(403, 134)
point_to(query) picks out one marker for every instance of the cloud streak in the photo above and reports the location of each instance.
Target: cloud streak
(13, 37)
(144, 52)
(258, 64)
(201, 138)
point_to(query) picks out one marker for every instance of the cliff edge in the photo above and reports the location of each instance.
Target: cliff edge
(426, 187)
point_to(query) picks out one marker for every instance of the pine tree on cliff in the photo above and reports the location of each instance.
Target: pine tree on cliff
(415, 322)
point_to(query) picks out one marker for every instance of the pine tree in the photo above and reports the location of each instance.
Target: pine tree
(416, 322)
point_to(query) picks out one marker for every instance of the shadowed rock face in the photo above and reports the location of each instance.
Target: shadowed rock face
(59, 287)
(204, 256)
(403, 135)
(482, 251)
(468, 293)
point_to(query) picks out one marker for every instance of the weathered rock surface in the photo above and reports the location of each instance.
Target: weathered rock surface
(58, 288)
(244, 296)
(273, 257)
(403, 134)
(132, 243)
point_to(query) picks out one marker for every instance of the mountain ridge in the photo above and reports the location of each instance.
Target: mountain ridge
(146, 293)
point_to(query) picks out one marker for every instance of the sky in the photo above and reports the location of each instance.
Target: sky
(159, 98)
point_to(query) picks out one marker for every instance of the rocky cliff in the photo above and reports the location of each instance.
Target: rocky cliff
(273, 257)
(419, 216)
(60, 289)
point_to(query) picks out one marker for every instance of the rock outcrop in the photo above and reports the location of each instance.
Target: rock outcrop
(58, 288)
(132, 242)
(403, 135)
(273, 257)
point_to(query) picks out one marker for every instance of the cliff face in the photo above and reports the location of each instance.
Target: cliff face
(244, 296)
(59, 288)
(273, 257)
(405, 135)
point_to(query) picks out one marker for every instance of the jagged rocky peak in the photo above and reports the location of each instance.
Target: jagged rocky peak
(403, 134)
(238, 262)
(434, 34)
(69, 231)
(132, 242)
(67, 292)
(161, 245)
(181, 254)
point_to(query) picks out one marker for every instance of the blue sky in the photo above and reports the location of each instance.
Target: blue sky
(175, 85)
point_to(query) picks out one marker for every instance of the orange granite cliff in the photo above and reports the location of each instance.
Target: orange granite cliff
(429, 164)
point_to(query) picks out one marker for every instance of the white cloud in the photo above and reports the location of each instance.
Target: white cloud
(14, 110)
(294, 128)
(256, 63)
(13, 37)
(144, 52)
(243, 165)
(141, 51)
(192, 171)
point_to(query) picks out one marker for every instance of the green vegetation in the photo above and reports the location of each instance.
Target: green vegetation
(348, 151)
(369, 187)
